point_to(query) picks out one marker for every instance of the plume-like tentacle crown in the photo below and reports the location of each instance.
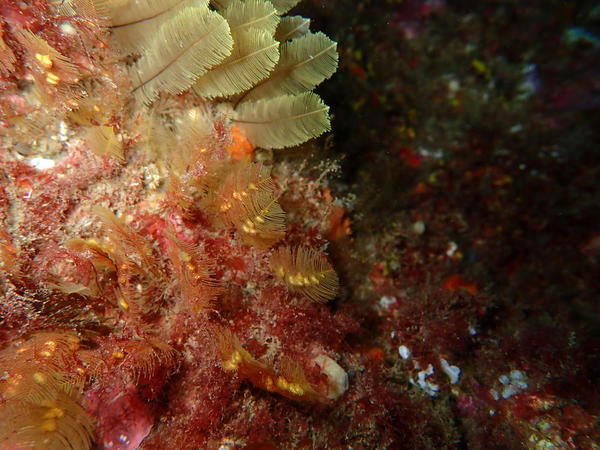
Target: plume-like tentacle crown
(243, 50)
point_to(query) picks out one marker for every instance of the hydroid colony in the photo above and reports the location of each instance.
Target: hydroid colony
(119, 267)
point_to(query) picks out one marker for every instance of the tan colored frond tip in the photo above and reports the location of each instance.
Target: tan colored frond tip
(103, 141)
(220, 4)
(82, 8)
(291, 27)
(284, 121)
(283, 6)
(305, 271)
(134, 23)
(183, 49)
(304, 63)
(254, 55)
(122, 13)
(251, 14)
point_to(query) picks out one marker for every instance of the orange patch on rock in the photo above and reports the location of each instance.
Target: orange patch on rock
(338, 224)
(375, 353)
(240, 147)
(457, 281)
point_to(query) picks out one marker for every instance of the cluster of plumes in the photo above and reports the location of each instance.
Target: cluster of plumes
(122, 280)
(243, 50)
(41, 392)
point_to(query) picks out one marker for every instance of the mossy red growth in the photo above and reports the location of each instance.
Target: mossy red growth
(412, 298)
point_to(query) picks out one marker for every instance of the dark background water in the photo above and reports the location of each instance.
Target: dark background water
(480, 118)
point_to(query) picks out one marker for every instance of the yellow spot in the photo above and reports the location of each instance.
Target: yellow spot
(52, 78)
(295, 389)
(249, 227)
(282, 383)
(48, 425)
(15, 379)
(96, 108)
(234, 362)
(119, 355)
(54, 413)
(44, 60)
(73, 342)
(50, 344)
(269, 384)
(39, 377)
(123, 304)
(480, 67)
(259, 219)
(185, 256)
(49, 350)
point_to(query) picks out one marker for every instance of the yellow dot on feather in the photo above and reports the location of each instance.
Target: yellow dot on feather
(52, 78)
(123, 304)
(48, 425)
(296, 389)
(54, 413)
(39, 377)
(44, 60)
(282, 383)
(269, 383)
(233, 362)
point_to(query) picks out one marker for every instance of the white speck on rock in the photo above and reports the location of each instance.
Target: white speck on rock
(337, 378)
(385, 302)
(513, 383)
(452, 247)
(453, 372)
(430, 388)
(68, 29)
(418, 227)
(42, 163)
(404, 352)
